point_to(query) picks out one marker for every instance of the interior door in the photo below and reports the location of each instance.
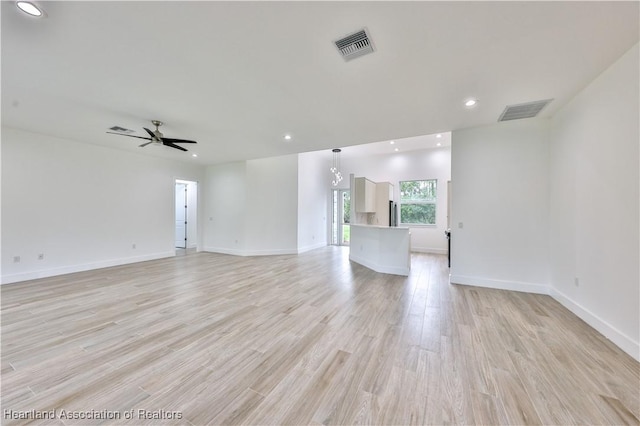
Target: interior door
(181, 215)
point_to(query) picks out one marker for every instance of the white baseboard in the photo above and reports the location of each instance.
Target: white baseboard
(621, 340)
(270, 252)
(500, 284)
(311, 247)
(431, 250)
(237, 252)
(45, 273)
(380, 268)
(224, 250)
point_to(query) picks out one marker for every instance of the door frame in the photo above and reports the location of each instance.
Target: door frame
(337, 238)
(182, 187)
(193, 214)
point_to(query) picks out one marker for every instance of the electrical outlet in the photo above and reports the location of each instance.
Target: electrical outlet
(16, 259)
(460, 225)
(41, 256)
(576, 282)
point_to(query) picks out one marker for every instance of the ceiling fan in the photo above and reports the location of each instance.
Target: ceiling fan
(157, 137)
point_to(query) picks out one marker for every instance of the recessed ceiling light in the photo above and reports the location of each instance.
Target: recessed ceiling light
(29, 8)
(396, 150)
(194, 155)
(287, 137)
(439, 144)
(438, 135)
(392, 142)
(470, 103)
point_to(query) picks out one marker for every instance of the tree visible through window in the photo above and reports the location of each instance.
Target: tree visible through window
(418, 202)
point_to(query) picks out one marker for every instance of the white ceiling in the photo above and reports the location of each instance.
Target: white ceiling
(399, 146)
(237, 76)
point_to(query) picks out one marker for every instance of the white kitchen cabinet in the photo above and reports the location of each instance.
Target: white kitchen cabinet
(384, 194)
(365, 195)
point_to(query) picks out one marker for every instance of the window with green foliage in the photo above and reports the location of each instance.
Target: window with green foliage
(418, 202)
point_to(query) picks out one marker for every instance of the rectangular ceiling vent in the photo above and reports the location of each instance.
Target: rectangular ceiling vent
(120, 129)
(355, 45)
(526, 110)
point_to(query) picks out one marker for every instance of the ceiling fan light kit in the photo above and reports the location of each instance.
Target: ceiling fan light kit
(157, 137)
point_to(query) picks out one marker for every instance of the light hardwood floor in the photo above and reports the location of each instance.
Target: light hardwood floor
(308, 339)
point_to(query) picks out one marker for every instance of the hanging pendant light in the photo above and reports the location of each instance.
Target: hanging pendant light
(335, 168)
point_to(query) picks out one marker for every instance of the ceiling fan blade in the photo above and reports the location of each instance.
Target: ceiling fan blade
(173, 146)
(130, 136)
(153, 135)
(145, 144)
(177, 140)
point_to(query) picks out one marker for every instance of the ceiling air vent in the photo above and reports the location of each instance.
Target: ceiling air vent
(355, 45)
(120, 129)
(526, 110)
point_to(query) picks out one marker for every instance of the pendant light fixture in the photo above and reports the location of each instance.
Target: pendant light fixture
(335, 168)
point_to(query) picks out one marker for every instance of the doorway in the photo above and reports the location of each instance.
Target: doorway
(186, 208)
(341, 217)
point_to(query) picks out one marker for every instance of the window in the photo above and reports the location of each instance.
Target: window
(418, 202)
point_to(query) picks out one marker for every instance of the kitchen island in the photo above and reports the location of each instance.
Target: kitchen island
(385, 249)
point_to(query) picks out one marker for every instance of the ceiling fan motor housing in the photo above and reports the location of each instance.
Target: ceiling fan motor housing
(157, 123)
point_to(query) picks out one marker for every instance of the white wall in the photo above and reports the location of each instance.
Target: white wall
(313, 190)
(272, 206)
(413, 165)
(83, 206)
(500, 186)
(252, 207)
(594, 204)
(225, 202)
